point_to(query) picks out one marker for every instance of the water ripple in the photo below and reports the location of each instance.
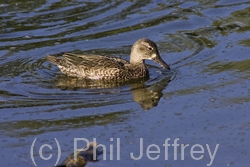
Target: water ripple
(206, 44)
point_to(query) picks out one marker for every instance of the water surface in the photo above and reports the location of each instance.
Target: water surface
(204, 99)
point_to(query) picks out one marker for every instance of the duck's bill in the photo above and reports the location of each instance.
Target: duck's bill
(159, 60)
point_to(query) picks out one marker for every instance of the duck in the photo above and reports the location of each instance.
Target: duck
(98, 67)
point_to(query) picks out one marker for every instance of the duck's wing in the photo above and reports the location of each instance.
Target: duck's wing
(119, 60)
(95, 61)
(75, 59)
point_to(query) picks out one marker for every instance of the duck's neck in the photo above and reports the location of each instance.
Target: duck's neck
(139, 68)
(137, 64)
(133, 61)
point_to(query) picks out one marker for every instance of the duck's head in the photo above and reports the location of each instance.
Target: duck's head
(145, 49)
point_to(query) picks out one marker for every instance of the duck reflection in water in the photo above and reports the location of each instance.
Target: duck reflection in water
(147, 96)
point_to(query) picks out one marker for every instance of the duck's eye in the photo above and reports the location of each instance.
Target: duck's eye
(150, 48)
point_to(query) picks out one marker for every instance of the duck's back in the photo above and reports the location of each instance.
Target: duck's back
(92, 66)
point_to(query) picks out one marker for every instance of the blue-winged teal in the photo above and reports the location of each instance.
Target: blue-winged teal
(110, 68)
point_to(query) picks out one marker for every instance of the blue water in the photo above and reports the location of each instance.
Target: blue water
(204, 99)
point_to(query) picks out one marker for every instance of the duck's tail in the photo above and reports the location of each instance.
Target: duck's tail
(64, 65)
(53, 59)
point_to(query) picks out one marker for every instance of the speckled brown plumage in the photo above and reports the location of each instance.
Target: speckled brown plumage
(110, 68)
